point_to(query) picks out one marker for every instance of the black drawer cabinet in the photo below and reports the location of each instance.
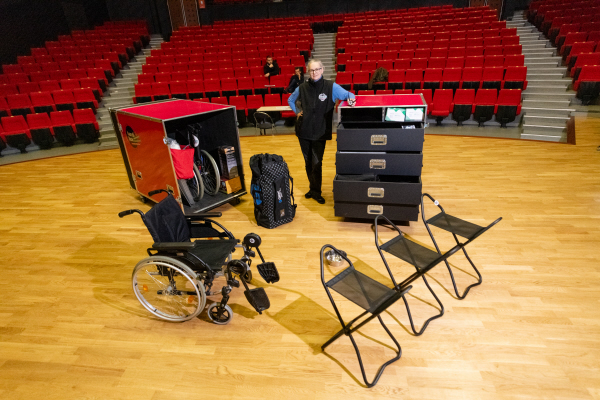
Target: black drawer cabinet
(388, 190)
(378, 137)
(371, 210)
(379, 158)
(356, 163)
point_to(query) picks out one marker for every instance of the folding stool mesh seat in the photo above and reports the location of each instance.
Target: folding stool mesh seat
(457, 227)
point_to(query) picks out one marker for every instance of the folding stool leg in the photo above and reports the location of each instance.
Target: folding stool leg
(479, 279)
(412, 325)
(360, 363)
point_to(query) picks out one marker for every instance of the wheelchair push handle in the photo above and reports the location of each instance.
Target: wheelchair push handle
(129, 212)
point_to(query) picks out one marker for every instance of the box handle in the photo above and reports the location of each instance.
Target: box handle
(378, 140)
(376, 192)
(377, 164)
(375, 209)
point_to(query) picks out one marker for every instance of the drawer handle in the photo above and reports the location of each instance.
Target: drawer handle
(375, 209)
(376, 192)
(378, 140)
(377, 164)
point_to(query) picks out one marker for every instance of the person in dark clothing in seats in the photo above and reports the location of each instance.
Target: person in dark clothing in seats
(295, 80)
(314, 128)
(270, 68)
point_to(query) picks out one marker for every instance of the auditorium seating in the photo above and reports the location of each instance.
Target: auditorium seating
(587, 85)
(442, 104)
(16, 132)
(41, 130)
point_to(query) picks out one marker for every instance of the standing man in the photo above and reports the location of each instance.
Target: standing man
(317, 99)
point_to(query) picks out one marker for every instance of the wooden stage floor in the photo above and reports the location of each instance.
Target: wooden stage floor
(71, 328)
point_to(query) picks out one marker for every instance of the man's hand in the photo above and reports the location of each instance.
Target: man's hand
(299, 114)
(351, 102)
(267, 75)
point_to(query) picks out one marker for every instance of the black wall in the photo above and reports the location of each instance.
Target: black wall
(312, 7)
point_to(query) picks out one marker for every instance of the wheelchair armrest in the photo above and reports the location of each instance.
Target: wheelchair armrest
(201, 216)
(171, 246)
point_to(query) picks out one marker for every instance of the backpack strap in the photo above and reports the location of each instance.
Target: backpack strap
(294, 205)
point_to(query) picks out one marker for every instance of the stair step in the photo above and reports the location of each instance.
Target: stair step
(538, 120)
(556, 112)
(549, 104)
(545, 133)
(541, 63)
(544, 97)
(544, 88)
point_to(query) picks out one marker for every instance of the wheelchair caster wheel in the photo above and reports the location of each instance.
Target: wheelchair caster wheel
(252, 240)
(219, 315)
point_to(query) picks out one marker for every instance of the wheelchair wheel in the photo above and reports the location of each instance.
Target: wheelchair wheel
(210, 173)
(219, 315)
(168, 288)
(199, 184)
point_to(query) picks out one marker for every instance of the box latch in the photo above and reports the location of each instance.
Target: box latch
(378, 140)
(375, 209)
(376, 192)
(377, 164)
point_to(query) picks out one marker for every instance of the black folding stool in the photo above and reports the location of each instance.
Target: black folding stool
(372, 296)
(455, 226)
(416, 255)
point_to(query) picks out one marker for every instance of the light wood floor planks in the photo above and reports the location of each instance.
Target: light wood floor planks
(70, 326)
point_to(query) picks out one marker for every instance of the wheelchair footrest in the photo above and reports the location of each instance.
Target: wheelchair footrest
(268, 271)
(258, 299)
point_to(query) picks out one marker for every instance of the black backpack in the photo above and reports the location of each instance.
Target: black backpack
(272, 189)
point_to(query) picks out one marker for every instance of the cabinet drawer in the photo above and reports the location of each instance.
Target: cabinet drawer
(356, 163)
(370, 211)
(404, 190)
(351, 137)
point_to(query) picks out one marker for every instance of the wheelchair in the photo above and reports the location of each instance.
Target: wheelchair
(173, 282)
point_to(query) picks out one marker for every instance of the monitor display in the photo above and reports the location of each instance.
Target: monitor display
(395, 114)
(414, 114)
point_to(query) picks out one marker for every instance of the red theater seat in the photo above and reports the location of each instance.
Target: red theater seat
(240, 106)
(41, 131)
(64, 127)
(508, 106)
(195, 89)
(178, 90)
(16, 132)
(432, 79)
(515, 78)
(471, 77)
(143, 93)
(492, 78)
(463, 105)
(484, 106)
(84, 98)
(42, 102)
(442, 104)
(588, 84)
(19, 104)
(160, 91)
(428, 96)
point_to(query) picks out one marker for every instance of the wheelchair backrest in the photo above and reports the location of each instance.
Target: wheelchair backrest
(166, 222)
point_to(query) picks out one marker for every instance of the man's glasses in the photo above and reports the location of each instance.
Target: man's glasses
(315, 70)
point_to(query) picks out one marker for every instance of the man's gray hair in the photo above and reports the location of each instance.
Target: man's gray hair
(314, 60)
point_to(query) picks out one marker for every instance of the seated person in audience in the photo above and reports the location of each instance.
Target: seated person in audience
(295, 80)
(271, 68)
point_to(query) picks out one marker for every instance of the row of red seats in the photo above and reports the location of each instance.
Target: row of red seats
(580, 48)
(561, 26)
(245, 60)
(247, 105)
(409, 54)
(410, 26)
(51, 67)
(37, 102)
(584, 59)
(226, 70)
(437, 78)
(49, 85)
(223, 74)
(465, 39)
(434, 62)
(208, 88)
(577, 37)
(43, 129)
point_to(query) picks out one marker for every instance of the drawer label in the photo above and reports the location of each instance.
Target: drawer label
(378, 140)
(375, 209)
(377, 164)
(376, 192)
